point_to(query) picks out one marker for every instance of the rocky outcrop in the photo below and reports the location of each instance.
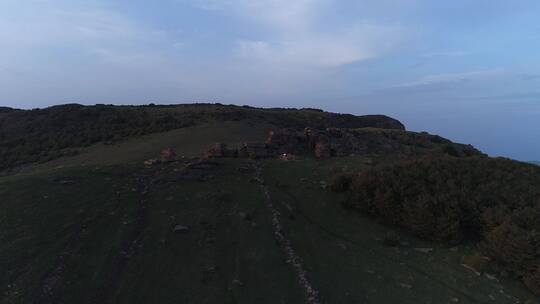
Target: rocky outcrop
(337, 142)
(168, 155)
(221, 150)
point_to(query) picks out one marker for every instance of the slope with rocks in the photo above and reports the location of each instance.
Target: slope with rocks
(104, 227)
(28, 136)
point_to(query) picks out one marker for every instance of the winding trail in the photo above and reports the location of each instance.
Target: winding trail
(292, 258)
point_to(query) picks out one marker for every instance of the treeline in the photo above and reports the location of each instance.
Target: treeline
(495, 202)
(28, 136)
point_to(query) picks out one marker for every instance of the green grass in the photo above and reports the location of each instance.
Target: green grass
(347, 259)
(188, 142)
(42, 218)
(224, 258)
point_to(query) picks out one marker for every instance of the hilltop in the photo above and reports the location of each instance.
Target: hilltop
(226, 204)
(29, 136)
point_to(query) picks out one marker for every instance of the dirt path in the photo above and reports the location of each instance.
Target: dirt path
(292, 258)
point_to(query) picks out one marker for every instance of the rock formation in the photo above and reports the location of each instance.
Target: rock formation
(168, 155)
(325, 143)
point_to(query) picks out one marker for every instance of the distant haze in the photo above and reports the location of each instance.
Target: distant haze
(467, 70)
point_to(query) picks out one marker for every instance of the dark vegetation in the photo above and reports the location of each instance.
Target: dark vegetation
(495, 202)
(65, 241)
(28, 136)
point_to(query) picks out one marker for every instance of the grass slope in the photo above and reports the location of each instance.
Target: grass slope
(28, 136)
(98, 227)
(188, 142)
(65, 242)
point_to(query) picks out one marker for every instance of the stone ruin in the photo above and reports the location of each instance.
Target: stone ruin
(324, 143)
(168, 155)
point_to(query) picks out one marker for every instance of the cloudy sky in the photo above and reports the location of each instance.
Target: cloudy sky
(467, 70)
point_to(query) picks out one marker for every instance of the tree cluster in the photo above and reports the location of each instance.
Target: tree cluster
(493, 201)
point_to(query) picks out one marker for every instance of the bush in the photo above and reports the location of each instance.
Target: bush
(493, 201)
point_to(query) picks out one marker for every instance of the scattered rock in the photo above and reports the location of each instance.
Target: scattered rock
(475, 263)
(424, 250)
(406, 286)
(471, 269)
(491, 277)
(151, 162)
(181, 229)
(257, 180)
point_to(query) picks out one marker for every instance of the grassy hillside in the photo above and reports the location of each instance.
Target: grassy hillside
(166, 234)
(493, 201)
(101, 227)
(45, 134)
(187, 142)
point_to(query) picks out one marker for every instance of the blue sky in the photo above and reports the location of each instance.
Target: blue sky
(467, 70)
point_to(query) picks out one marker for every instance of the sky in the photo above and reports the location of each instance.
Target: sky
(466, 70)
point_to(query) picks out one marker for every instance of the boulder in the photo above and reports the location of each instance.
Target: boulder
(218, 150)
(322, 147)
(168, 155)
(151, 162)
(181, 229)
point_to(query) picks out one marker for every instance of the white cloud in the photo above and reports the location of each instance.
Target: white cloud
(109, 37)
(57, 27)
(450, 78)
(284, 14)
(296, 33)
(321, 50)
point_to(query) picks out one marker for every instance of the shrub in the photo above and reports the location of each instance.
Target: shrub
(494, 201)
